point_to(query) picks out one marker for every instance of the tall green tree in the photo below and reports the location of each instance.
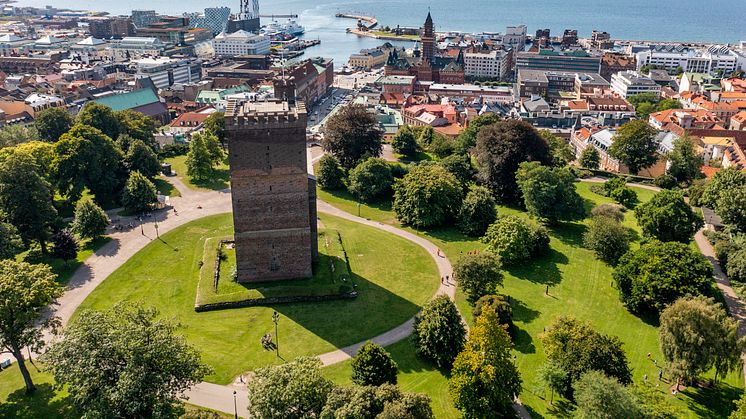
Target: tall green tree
(138, 126)
(42, 153)
(553, 377)
(331, 176)
(460, 166)
(602, 397)
(139, 193)
(484, 379)
(141, 158)
(351, 135)
(15, 134)
(635, 146)
(126, 361)
(213, 146)
(501, 148)
(25, 291)
(404, 142)
(52, 123)
(575, 347)
(90, 220)
(199, 161)
(559, 148)
(26, 199)
(477, 211)
(549, 192)
(295, 390)
(667, 217)
(467, 140)
(10, 240)
(732, 207)
(514, 239)
(371, 180)
(100, 117)
(725, 180)
(427, 196)
(589, 158)
(697, 334)
(439, 333)
(215, 123)
(685, 161)
(373, 366)
(608, 239)
(478, 274)
(658, 273)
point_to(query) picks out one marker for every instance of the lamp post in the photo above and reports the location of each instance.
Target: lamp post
(235, 406)
(156, 230)
(275, 318)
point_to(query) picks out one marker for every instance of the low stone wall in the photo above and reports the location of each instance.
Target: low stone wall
(268, 301)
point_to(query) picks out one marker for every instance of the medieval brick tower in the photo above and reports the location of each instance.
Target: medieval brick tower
(428, 40)
(274, 199)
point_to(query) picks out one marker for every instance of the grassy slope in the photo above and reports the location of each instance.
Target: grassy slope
(220, 180)
(579, 285)
(165, 275)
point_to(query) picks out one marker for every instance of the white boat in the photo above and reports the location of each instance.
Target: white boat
(290, 27)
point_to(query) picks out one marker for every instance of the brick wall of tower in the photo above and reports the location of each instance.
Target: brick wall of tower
(269, 187)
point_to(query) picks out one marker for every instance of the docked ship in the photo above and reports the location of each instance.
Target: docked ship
(290, 27)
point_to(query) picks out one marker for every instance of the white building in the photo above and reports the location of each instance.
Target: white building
(136, 47)
(240, 43)
(493, 64)
(694, 60)
(10, 44)
(499, 94)
(165, 72)
(629, 83)
(38, 102)
(515, 36)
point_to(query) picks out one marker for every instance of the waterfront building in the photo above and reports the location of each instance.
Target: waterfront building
(551, 60)
(601, 40)
(370, 58)
(240, 43)
(143, 18)
(630, 83)
(515, 37)
(677, 57)
(165, 72)
(214, 18)
(491, 64)
(137, 46)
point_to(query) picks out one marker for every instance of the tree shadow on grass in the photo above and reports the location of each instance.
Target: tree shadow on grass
(219, 180)
(382, 204)
(521, 312)
(523, 341)
(570, 233)
(540, 270)
(561, 408)
(43, 403)
(714, 402)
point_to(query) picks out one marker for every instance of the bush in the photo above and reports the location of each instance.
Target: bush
(428, 196)
(139, 193)
(404, 142)
(549, 192)
(665, 181)
(64, 246)
(371, 179)
(90, 220)
(173, 150)
(624, 196)
(478, 274)
(658, 273)
(442, 146)
(695, 193)
(514, 239)
(460, 166)
(607, 238)
(736, 265)
(439, 333)
(331, 176)
(477, 211)
(667, 217)
(613, 211)
(502, 307)
(373, 366)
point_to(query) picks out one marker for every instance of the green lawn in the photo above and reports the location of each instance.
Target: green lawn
(395, 279)
(165, 187)
(220, 180)
(580, 285)
(46, 402)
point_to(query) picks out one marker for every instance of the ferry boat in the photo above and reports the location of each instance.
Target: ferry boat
(290, 27)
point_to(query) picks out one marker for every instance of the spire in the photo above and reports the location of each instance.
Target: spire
(460, 57)
(429, 19)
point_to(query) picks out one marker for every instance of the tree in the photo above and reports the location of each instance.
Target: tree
(10, 241)
(559, 148)
(371, 179)
(52, 123)
(667, 217)
(685, 161)
(90, 221)
(467, 140)
(589, 158)
(724, 180)
(331, 176)
(65, 246)
(740, 411)
(484, 380)
(139, 193)
(657, 273)
(100, 117)
(42, 153)
(575, 347)
(478, 274)
(514, 239)
(404, 142)
(11, 135)
(86, 158)
(477, 211)
(696, 334)
(26, 199)
(427, 196)
(608, 239)
(735, 264)
(602, 397)
(665, 181)
(213, 146)
(385, 401)
(613, 211)
(25, 292)
(732, 207)
(427, 134)
(501, 148)
(138, 126)
(373, 366)
(125, 360)
(351, 135)
(635, 145)
(502, 307)
(442, 146)
(553, 377)
(294, 390)
(460, 166)
(624, 196)
(215, 123)
(141, 158)
(409, 406)
(439, 333)
(549, 193)
(199, 161)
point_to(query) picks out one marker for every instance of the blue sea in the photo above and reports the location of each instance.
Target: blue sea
(717, 21)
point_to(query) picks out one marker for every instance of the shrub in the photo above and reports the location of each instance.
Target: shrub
(665, 181)
(736, 265)
(607, 238)
(624, 196)
(667, 217)
(331, 176)
(442, 146)
(514, 239)
(477, 211)
(439, 333)
(373, 366)
(613, 211)
(478, 274)
(427, 196)
(371, 179)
